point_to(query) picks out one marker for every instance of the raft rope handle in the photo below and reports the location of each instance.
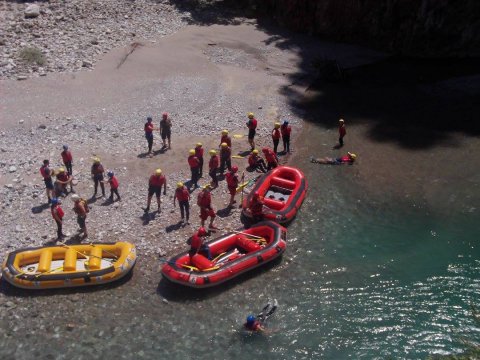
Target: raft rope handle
(49, 271)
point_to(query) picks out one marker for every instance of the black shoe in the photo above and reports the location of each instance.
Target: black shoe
(146, 210)
(110, 198)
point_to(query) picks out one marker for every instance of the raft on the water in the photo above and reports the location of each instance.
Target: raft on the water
(68, 265)
(233, 254)
(283, 190)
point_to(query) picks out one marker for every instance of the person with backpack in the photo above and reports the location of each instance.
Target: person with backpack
(81, 208)
(57, 214)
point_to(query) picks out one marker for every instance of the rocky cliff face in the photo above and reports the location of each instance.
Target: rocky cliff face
(406, 27)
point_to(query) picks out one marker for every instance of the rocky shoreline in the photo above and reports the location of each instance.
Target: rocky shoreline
(68, 36)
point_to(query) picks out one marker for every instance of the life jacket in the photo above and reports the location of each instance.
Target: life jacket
(157, 180)
(232, 180)
(78, 209)
(45, 172)
(57, 210)
(286, 130)
(193, 161)
(114, 182)
(196, 242)
(214, 162)
(62, 177)
(252, 160)
(252, 124)
(225, 152)
(252, 326)
(275, 134)
(199, 152)
(66, 156)
(342, 130)
(346, 159)
(182, 194)
(148, 129)
(256, 206)
(270, 156)
(226, 139)
(97, 169)
(204, 199)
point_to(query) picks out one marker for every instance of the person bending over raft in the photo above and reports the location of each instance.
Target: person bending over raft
(197, 244)
(346, 159)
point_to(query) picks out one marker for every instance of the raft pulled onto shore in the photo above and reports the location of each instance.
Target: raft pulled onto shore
(68, 265)
(283, 190)
(233, 254)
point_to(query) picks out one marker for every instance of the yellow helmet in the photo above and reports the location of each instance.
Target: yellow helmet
(352, 155)
(277, 125)
(158, 172)
(179, 184)
(96, 160)
(207, 187)
(199, 144)
(250, 115)
(224, 145)
(61, 170)
(224, 132)
(191, 151)
(212, 152)
(255, 151)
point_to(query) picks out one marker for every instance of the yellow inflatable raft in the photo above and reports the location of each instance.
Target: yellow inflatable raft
(68, 265)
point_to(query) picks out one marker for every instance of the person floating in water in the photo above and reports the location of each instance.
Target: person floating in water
(346, 159)
(257, 323)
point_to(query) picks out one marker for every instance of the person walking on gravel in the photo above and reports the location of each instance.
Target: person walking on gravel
(149, 134)
(97, 172)
(183, 196)
(286, 130)
(46, 173)
(213, 166)
(276, 136)
(57, 214)
(194, 164)
(199, 155)
(166, 129)
(204, 201)
(225, 157)
(155, 183)
(80, 207)
(252, 129)
(232, 184)
(114, 184)
(67, 159)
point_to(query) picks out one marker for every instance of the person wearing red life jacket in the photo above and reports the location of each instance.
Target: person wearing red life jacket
(61, 182)
(46, 173)
(194, 164)
(166, 130)
(199, 155)
(286, 130)
(148, 128)
(67, 159)
(114, 184)
(256, 207)
(155, 184)
(213, 166)
(271, 157)
(204, 201)
(348, 159)
(253, 324)
(57, 214)
(342, 131)
(232, 184)
(197, 244)
(183, 196)
(97, 172)
(276, 136)
(252, 129)
(256, 162)
(225, 157)
(225, 139)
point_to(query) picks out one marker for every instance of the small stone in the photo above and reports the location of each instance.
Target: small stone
(22, 77)
(18, 228)
(165, 301)
(94, 41)
(21, 121)
(32, 11)
(42, 126)
(12, 169)
(86, 63)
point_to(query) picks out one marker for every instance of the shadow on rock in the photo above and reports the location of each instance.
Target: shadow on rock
(174, 227)
(38, 209)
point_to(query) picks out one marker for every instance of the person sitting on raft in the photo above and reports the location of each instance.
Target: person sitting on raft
(253, 324)
(346, 159)
(197, 244)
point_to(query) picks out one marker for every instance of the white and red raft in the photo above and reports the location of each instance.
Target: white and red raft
(232, 254)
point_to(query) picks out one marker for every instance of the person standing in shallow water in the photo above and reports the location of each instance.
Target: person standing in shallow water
(342, 131)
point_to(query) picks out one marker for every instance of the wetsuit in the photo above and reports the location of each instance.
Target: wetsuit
(256, 162)
(57, 214)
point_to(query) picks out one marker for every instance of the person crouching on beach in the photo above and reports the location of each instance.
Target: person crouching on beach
(346, 159)
(256, 162)
(271, 157)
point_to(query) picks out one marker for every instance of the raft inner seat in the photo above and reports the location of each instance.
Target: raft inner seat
(45, 261)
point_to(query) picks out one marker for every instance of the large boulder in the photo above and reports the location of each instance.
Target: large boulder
(32, 11)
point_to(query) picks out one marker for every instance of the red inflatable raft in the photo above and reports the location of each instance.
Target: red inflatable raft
(283, 190)
(233, 254)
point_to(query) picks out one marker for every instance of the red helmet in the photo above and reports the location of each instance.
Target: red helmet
(265, 150)
(165, 115)
(234, 168)
(256, 194)
(202, 231)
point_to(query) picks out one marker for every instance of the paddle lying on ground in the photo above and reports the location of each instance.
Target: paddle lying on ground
(238, 136)
(238, 156)
(243, 185)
